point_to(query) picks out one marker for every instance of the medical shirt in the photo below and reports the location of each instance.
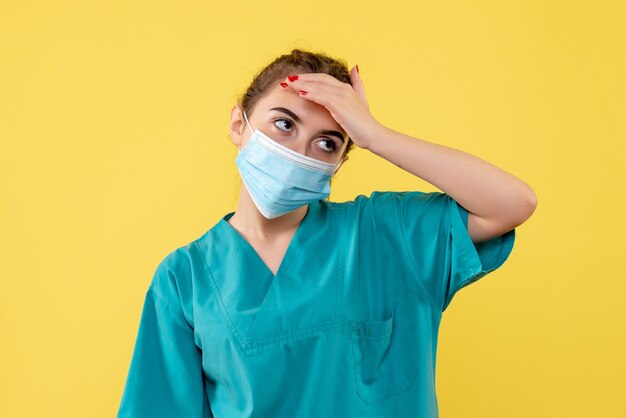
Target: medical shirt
(346, 328)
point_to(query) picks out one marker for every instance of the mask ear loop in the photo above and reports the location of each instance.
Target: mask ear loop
(249, 125)
(337, 168)
(343, 160)
(247, 121)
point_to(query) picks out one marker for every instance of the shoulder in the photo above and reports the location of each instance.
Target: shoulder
(389, 197)
(381, 202)
(398, 210)
(180, 261)
(172, 280)
(169, 272)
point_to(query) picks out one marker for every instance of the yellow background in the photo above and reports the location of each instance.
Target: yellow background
(115, 151)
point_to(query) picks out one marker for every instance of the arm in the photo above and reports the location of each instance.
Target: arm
(165, 378)
(496, 200)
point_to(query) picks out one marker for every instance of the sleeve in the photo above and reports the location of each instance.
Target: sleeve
(434, 229)
(165, 378)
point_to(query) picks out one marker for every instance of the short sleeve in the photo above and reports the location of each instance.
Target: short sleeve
(434, 229)
(165, 378)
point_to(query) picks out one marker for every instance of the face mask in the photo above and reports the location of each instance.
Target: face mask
(279, 179)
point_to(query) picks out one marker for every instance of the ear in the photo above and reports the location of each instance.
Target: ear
(237, 125)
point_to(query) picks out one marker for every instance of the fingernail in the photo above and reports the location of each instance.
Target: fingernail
(302, 92)
(284, 85)
(292, 77)
(357, 68)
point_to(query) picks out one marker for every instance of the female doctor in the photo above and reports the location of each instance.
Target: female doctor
(295, 306)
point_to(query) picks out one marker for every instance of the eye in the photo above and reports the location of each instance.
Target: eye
(287, 122)
(331, 146)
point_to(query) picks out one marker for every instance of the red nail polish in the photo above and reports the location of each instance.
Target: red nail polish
(302, 92)
(284, 85)
(292, 77)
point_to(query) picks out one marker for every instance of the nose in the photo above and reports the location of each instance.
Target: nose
(299, 147)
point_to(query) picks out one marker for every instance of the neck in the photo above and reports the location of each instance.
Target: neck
(251, 222)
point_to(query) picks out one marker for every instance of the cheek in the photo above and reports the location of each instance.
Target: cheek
(244, 141)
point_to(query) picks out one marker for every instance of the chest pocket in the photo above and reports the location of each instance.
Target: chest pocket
(384, 356)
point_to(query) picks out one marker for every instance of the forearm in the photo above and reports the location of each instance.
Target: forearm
(480, 187)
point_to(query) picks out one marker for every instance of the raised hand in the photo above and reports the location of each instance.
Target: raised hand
(346, 103)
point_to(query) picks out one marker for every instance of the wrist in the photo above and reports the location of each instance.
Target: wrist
(378, 135)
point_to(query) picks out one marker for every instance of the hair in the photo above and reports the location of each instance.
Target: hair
(297, 61)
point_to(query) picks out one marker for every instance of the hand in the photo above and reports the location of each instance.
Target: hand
(346, 103)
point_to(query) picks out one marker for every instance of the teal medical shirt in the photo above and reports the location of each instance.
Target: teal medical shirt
(347, 328)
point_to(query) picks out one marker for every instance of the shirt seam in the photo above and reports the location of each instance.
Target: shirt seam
(221, 304)
(168, 305)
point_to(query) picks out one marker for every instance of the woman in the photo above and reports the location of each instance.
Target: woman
(295, 306)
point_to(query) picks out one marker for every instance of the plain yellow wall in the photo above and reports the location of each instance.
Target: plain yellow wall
(115, 151)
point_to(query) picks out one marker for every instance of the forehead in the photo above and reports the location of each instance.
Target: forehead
(311, 113)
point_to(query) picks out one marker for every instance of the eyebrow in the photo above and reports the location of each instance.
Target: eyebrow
(298, 120)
